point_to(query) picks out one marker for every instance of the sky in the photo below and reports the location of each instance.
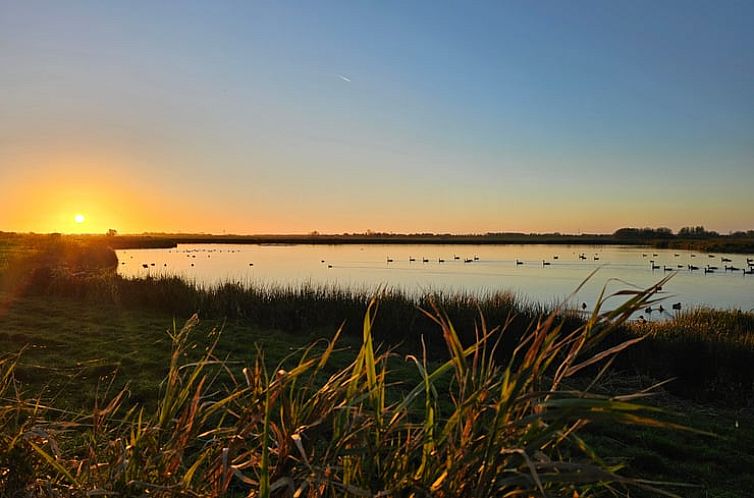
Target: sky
(345, 116)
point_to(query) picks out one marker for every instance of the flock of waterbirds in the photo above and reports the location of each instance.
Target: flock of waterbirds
(412, 259)
(726, 265)
(190, 253)
(747, 269)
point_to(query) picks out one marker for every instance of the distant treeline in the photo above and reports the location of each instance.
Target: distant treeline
(696, 232)
(695, 238)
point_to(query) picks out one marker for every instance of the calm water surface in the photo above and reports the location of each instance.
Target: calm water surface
(367, 267)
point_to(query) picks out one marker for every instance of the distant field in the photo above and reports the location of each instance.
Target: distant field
(11, 247)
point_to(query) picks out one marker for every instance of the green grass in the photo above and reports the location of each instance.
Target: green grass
(717, 466)
(469, 425)
(292, 309)
(78, 329)
(72, 346)
(71, 343)
(709, 353)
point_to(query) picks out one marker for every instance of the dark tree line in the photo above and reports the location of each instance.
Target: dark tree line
(690, 232)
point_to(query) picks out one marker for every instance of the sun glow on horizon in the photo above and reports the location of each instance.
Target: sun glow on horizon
(79, 218)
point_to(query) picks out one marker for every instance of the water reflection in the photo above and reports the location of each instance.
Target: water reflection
(541, 273)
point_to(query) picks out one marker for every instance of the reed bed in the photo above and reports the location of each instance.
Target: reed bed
(299, 309)
(724, 326)
(709, 353)
(467, 426)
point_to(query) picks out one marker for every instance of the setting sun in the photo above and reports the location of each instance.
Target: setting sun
(79, 218)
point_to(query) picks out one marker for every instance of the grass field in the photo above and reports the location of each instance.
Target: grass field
(79, 346)
(72, 349)
(69, 344)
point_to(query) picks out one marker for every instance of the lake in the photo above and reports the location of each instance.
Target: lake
(534, 272)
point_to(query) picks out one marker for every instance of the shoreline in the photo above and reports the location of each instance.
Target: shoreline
(724, 243)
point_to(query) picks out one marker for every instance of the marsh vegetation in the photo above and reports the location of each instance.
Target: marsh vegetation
(411, 395)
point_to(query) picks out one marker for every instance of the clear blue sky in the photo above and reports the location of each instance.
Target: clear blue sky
(398, 116)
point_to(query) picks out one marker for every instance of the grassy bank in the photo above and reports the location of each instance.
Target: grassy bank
(469, 425)
(72, 346)
(85, 334)
(69, 345)
(708, 353)
(70, 269)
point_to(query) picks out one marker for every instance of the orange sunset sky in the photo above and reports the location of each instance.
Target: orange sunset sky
(342, 116)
